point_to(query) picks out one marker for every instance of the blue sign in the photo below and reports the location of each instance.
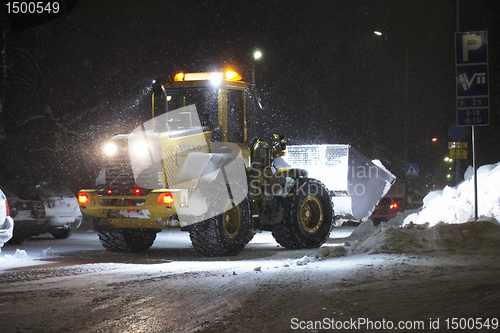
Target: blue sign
(471, 47)
(457, 133)
(472, 78)
(464, 103)
(473, 117)
(411, 170)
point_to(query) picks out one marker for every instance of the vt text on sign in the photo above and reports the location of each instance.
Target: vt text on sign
(472, 78)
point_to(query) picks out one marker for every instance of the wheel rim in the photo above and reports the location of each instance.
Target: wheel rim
(311, 214)
(231, 219)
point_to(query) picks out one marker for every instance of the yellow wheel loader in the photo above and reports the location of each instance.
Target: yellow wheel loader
(195, 165)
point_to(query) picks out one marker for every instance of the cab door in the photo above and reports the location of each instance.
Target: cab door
(233, 114)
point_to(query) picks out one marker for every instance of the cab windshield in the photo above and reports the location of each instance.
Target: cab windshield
(205, 100)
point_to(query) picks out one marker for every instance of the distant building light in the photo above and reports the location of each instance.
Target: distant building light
(378, 33)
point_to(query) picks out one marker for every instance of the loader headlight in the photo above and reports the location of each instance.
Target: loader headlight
(215, 78)
(140, 148)
(110, 149)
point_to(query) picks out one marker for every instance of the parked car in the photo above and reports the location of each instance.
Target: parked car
(391, 204)
(61, 209)
(29, 217)
(6, 222)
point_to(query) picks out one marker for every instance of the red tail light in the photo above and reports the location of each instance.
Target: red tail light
(394, 206)
(137, 191)
(83, 198)
(7, 208)
(166, 198)
(109, 191)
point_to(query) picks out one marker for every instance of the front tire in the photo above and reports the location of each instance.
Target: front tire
(125, 240)
(308, 219)
(225, 234)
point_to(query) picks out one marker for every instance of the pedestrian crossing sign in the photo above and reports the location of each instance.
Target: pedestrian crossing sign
(411, 170)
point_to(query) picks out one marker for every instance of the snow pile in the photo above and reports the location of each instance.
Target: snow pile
(483, 235)
(21, 258)
(456, 204)
(363, 229)
(19, 255)
(47, 252)
(439, 225)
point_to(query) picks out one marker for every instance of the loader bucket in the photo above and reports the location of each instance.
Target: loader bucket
(367, 184)
(356, 184)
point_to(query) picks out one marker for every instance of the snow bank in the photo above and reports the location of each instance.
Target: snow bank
(445, 221)
(482, 235)
(456, 204)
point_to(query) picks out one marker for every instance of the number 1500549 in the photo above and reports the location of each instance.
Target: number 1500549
(32, 7)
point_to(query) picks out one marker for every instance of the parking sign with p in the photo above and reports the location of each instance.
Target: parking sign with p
(472, 78)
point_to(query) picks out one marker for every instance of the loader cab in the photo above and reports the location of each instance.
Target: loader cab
(221, 100)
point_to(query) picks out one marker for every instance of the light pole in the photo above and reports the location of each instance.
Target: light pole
(409, 181)
(256, 56)
(379, 34)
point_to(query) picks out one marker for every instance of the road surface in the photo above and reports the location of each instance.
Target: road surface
(74, 285)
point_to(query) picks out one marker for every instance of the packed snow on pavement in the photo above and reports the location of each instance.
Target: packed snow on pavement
(421, 271)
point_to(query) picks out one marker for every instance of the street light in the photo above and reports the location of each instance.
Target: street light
(256, 56)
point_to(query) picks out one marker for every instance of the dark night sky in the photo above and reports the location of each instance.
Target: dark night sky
(325, 77)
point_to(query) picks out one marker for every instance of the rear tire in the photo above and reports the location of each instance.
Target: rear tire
(61, 233)
(125, 240)
(225, 234)
(308, 217)
(17, 237)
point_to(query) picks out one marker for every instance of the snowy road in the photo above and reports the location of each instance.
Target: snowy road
(265, 289)
(84, 247)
